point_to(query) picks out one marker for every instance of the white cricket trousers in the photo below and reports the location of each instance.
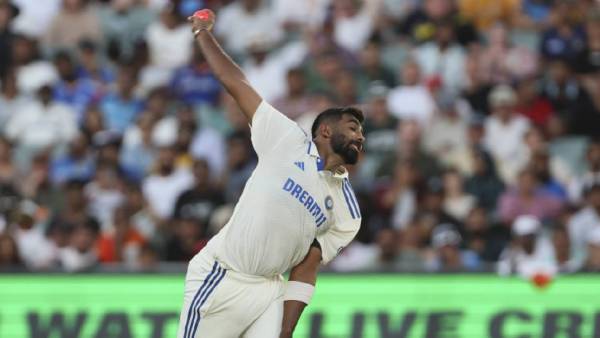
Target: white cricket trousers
(220, 303)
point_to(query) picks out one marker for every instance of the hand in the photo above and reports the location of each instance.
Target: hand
(202, 20)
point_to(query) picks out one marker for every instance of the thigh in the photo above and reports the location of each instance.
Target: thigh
(268, 325)
(203, 280)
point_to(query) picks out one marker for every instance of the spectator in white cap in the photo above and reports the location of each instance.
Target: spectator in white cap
(592, 263)
(504, 131)
(530, 252)
(447, 254)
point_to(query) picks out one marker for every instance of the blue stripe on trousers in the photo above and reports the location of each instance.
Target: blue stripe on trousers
(196, 298)
(204, 300)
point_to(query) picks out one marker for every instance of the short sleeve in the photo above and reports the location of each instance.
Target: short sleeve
(336, 238)
(271, 130)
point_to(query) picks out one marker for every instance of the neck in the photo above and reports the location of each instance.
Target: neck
(331, 159)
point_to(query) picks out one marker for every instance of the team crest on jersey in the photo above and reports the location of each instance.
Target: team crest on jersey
(328, 202)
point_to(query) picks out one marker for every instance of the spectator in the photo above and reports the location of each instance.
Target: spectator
(123, 25)
(77, 164)
(443, 60)
(382, 256)
(502, 62)
(194, 83)
(297, 101)
(592, 171)
(37, 186)
(354, 22)
(120, 107)
(541, 165)
(484, 238)
(147, 223)
(78, 93)
(565, 38)
(42, 123)
(35, 249)
(162, 188)
(294, 16)
(431, 211)
(9, 253)
(138, 152)
(562, 250)
(244, 21)
(188, 238)
(379, 129)
(202, 199)
(93, 122)
(80, 254)
(585, 222)
(11, 100)
(241, 161)
(477, 87)
(373, 70)
(592, 263)
(409, 148)
(457, 203)
(571, 102)
(530, 252)
(32, 72)
(528, 198)
(420, 24)
(92, 67)
(504, 131)
(531, 104)
(8, 11)
(75, 22)
(74, 209)
(411, 100)
(104, 195)
(148, 259)
(122, 243)
(446, 136)
(345, 90)
(447, 255)
(588, 61)
(36, 17)
(401, 196)
(265, 71)
(169, 45)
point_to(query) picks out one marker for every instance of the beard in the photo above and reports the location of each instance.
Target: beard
(342, 147)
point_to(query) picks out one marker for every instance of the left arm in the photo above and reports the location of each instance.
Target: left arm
(303, 273)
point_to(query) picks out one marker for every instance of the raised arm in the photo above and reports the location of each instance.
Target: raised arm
(228, 73)
(303, 278)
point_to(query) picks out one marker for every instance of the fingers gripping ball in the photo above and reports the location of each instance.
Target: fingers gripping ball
(202, 20)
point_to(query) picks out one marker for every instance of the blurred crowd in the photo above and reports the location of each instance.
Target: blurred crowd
(119, 146)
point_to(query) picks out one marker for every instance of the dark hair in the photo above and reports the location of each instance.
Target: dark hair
(335, 114)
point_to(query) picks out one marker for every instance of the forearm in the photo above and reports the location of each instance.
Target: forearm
(305, 272)
(224, 68)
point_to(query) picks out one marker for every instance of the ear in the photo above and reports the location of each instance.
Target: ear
(325, 130)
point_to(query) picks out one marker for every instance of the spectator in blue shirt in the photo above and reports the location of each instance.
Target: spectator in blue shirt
(77, 164)
(91, 67)
(71, 90)
(195, 84)
(121, 107)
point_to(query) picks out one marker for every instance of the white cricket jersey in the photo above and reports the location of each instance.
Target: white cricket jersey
(287, 202)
